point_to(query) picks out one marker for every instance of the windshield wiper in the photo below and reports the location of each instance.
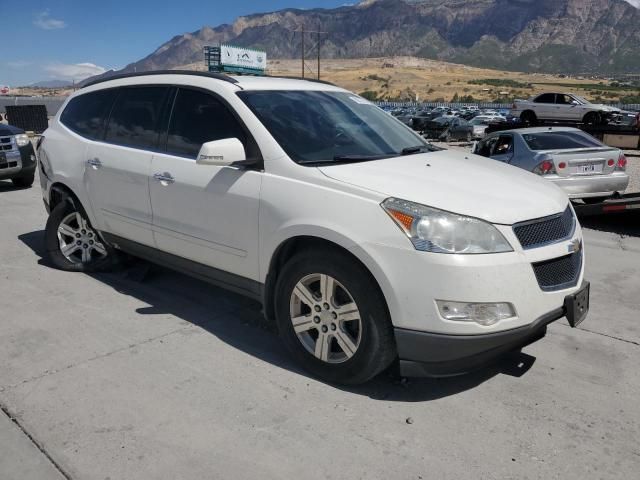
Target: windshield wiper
(358, 158)
(416, 149)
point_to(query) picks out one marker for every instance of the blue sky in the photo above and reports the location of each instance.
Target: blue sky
(71, 39)
(61, 39)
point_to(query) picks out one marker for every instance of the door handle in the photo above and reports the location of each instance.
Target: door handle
(95, 163)
(164, 178)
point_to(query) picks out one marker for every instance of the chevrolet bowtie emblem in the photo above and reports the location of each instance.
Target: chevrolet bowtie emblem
(575, 246)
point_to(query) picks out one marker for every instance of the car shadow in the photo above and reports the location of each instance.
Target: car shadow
(8, 186)
(622, 223)
(239, 322)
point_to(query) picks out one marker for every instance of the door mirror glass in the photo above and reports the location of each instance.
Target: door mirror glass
(574, 102)
(221, 152)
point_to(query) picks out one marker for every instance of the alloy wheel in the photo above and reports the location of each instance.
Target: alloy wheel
(78, 242)
(325, 318)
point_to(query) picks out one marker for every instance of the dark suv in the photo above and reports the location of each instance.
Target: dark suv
(17, 157)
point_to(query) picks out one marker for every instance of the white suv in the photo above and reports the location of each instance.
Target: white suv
(364, 243)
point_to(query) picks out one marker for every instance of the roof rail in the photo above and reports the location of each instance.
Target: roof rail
(217, 76)
(315, 80)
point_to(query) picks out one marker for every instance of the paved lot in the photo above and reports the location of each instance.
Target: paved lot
(110, 377)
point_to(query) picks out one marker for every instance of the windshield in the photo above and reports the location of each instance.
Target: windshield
(560, 140)
(328, 127)
(581, 99)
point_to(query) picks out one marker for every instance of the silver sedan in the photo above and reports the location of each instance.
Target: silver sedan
(581, 165)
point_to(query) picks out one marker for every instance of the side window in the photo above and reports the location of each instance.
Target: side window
(546, 98)
(134, 120)
(197, 118)
(503, 146)
(86, 114)
(563, 99)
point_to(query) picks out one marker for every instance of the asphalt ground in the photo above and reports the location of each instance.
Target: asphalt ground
(147, 374)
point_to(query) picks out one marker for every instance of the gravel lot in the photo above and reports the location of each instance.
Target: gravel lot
(158, 376)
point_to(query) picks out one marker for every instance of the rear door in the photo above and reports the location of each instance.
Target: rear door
(205, 213)
(545, 107)
(117, 173)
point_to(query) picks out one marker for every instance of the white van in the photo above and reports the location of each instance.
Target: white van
(364, 243)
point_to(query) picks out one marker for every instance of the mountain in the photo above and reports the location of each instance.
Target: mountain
(52, 84)
(557, 36)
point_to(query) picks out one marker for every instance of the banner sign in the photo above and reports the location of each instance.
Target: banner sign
(243, 58)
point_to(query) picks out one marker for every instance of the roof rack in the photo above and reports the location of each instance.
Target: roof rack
(217, 76)
(315, 80)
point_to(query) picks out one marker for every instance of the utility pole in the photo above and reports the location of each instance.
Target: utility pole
(305, 51)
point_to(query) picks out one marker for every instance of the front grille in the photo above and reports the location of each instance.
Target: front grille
(558, 273)
(543, 231)
(4, 166)
(5, 144)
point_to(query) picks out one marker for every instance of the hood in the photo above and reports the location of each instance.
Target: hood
(605, 108)
(6, 130)
(462, 183)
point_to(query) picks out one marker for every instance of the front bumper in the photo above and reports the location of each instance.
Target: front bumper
(425, 354)
(592, 185)
(18, 163)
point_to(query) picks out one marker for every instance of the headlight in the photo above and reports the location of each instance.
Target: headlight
(22, 140)
(437, 231)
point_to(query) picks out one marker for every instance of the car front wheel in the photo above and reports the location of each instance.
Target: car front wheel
(71, 242)
(332, 317)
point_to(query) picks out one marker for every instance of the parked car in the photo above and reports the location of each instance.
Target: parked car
(420, 120)
(562, 107)
(17, 156)
(310, 199)
(581, 165)
(480, 126)
(448, 128)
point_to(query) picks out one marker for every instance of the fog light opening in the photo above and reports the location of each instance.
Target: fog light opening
(485, 314)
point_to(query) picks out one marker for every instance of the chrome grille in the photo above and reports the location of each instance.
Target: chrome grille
(5, 144)
(543, 231)
(558, 273)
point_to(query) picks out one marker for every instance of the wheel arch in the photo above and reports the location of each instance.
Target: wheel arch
(291, 246)
(59, 192)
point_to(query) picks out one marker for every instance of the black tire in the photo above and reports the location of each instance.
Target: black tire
(592, 118)
(529, 117)
(376, 350)
(53, 248)
(594, 200)
(24, 182)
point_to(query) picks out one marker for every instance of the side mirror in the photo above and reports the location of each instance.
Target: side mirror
(574, 102)
(221, 152)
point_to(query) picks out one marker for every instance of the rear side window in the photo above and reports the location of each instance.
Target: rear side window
(86, 114)
(197, 118)
(560, 140)
(546, 98)
(135, 118)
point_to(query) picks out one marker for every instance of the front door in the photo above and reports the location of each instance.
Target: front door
(117, 170)
(207, 214)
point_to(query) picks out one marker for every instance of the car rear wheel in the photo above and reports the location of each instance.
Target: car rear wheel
(529, 117)
(71, 242)
(332, 317)
(594, 200)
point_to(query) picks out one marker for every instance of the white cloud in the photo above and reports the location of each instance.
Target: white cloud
(74, 71)
(635, 3)
(43, 20)
(18, 64)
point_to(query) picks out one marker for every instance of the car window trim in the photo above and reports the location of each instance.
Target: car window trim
(156, 126)
(253, 163)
